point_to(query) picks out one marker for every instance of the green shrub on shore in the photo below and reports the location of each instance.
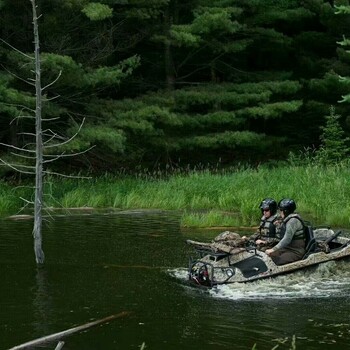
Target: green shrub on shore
(206, 198)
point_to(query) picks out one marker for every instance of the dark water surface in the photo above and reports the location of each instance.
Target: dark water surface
(99, 265)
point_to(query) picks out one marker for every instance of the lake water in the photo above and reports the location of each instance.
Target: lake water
(102, 264)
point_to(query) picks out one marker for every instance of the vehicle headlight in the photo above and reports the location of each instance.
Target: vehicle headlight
(229, 272)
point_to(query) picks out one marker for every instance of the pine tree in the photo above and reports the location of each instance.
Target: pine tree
(77, 48)
(344, 11)
(334, 145)
(159, 80)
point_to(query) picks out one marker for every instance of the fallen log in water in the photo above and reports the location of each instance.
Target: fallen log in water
(70, 331)
(59, 345)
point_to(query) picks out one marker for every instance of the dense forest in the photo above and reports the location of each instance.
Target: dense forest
(170, 82)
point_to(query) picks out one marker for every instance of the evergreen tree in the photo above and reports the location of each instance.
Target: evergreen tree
(202, 124)
(75, 57)
(160, 80)
(334, 146)
(344, 12)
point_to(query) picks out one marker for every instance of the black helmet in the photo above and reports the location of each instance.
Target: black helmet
(269, 203)
(287, 206)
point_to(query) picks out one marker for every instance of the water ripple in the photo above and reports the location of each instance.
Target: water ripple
(328, 279)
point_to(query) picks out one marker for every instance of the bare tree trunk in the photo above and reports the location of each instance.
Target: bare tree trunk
(38, 205)
(52, 141)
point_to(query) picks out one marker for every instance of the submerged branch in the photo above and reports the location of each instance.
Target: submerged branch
(66, 333)
(59, 345)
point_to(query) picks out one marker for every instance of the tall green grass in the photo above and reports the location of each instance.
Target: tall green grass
(206, 199)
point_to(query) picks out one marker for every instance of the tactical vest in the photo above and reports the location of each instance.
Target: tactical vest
(300, 234)
(267, 228)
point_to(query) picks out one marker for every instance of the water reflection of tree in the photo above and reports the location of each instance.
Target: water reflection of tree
(42, 303)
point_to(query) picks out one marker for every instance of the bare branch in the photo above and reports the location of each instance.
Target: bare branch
(29, 144)
(12, 47)
(66, 176)
(52, 98)
(50, 119)
(26, 201)
(47, 131)
(18, 165)
(58, 156)
(18, 106)
(22, 155)
(52, 135)
(63, 155)
(50, 139)
(22, 117)
(69, 140)
(53, 82)
(17, 148)
(26, 133)
(68, 332)
(17, 76)
(14, 168)
(59, 345)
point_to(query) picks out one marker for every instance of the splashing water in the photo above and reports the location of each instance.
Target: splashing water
(325, 280)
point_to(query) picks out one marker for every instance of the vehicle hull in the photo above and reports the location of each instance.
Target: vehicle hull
(223, 264)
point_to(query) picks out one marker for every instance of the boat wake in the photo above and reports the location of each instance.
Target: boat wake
(325, 280)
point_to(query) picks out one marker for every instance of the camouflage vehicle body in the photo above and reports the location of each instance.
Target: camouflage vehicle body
(224, 263)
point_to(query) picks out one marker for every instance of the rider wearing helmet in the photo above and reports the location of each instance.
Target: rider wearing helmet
(267, 231)
(287, 206)
(266, 236)
(292, 244)
(268, 204)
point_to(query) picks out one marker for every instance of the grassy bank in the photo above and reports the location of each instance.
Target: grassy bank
(230, 199)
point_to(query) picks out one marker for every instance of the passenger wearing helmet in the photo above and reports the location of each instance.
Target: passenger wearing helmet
(291, 247)
(266, 236)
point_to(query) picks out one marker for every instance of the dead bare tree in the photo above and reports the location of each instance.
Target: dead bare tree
(37, 155)
(38, 203)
